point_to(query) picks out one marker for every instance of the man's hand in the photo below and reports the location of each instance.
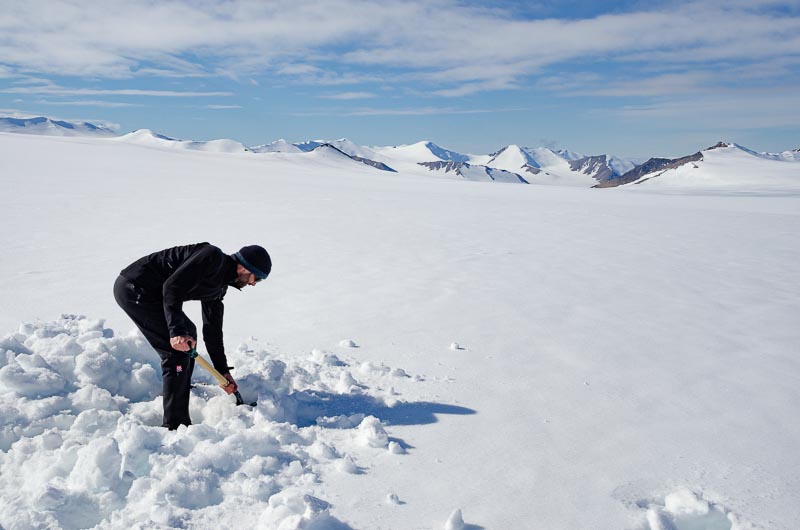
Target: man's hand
(231, 387)
(183, 343)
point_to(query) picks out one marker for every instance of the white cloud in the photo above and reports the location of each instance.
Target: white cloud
(417, 111)
(349, 95)
(456, 49)
(88, 103)
(62, 91)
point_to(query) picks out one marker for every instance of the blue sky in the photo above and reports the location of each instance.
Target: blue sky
(629, 78)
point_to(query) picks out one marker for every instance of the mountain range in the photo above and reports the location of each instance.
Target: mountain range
(723, 164)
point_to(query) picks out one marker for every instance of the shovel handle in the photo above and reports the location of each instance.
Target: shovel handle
(205, 364)
(218, 376)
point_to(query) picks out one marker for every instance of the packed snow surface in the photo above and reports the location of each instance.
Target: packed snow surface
(427, 353)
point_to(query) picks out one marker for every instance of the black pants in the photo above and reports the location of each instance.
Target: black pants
(147, 312)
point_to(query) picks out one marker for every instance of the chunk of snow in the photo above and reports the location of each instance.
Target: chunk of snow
(685, 502)
(455, 521)
(372, 433)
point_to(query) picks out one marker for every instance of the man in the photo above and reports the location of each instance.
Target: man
(152, 291)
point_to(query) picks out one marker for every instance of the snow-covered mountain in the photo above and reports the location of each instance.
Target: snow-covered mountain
(468, 171)
(512, 163)
(545, 166)
(514, 158)
(724, 166)
(332, 150)
(309, 145)
(786, 156)
(602, 167)
(149, 138)
(424, 151)
(278, 146)
(50, 127)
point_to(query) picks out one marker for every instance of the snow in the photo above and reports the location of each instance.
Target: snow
(512, 158)
(455, 521)
(352, 149)
(731, 169)
(146, 137)
(423, 151)
(786, 156)
(676, 303)
(551, 168)
(278, 146)
(620, 165)
(40, 125)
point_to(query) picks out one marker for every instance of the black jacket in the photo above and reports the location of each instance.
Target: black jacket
(192, 272)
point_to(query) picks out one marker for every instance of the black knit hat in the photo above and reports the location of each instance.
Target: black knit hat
(255, 259)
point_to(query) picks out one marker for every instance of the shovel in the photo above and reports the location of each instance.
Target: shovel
(218, 376)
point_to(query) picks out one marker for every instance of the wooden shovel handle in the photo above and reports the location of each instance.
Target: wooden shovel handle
(205, 364)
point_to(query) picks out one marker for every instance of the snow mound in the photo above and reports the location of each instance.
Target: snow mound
(455, 521)
(82, 446)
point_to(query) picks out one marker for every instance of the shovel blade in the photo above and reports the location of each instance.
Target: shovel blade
(240, 401)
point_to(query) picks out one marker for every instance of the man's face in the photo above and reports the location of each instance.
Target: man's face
(243, 277)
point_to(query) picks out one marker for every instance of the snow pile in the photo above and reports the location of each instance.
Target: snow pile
(686, 510)
(82, 445)
(455, 521)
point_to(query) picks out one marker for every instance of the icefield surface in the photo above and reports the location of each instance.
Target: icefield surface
(428, 353)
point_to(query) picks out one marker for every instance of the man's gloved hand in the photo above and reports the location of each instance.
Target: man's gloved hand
(183, 343)
(231, 387)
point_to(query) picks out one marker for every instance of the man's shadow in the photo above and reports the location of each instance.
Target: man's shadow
(312, 405)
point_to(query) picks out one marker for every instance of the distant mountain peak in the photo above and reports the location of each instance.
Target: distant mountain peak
(149, 133)
(474, 172)
(50, 127)
(440, 152)
(326, 146)
(569, 155)
(514, 157)
(721, 145)
(278, 146)
(653, 167)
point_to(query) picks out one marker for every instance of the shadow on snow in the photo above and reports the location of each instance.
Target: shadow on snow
(314, 405)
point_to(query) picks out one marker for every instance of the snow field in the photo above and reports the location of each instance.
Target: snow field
(82, 446)
(678, 309)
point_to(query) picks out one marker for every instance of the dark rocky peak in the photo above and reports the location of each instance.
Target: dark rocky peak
(720, 145)
(651, 166)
